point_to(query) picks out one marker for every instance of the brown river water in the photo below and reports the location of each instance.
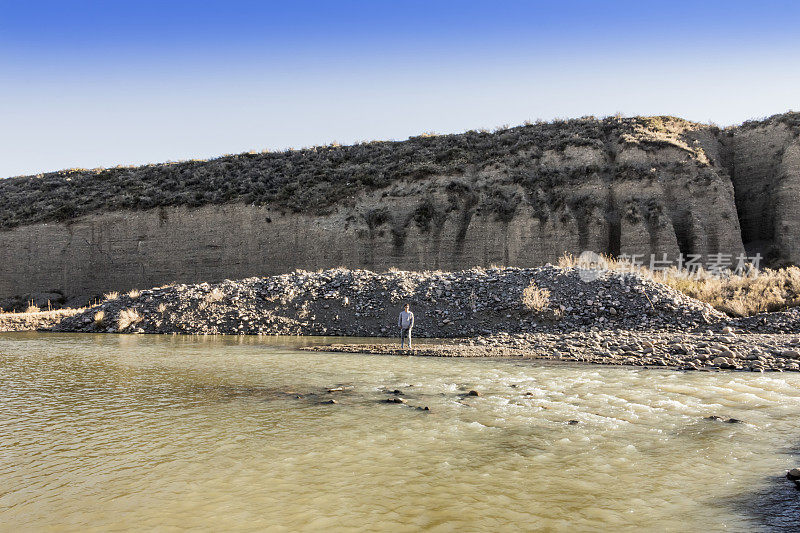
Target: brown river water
(114, 432)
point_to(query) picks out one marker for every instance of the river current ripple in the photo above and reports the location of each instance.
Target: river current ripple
(103, 432)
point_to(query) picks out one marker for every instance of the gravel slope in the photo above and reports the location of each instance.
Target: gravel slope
(364, 303)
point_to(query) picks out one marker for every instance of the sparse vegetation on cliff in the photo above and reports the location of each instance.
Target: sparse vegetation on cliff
(791, 120)
(315, 179)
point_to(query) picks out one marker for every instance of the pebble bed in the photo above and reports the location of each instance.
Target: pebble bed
(654, 348)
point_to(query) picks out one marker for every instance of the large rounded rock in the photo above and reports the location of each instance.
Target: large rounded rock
(395, 400)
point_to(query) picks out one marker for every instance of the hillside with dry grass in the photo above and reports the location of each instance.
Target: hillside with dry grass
(315, 179)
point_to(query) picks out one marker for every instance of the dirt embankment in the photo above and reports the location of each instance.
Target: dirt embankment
(521, 196)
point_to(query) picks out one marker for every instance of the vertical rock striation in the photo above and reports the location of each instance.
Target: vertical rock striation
(519, 197)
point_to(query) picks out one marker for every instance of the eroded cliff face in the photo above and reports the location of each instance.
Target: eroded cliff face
(665, 188)
(764, 159)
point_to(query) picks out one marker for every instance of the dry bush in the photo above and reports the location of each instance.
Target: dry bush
(134, 293)
(535, 299)
(765, 291)
(128, 318)
(761, 291)
(113, 295)
(568, 261)
(100, 317)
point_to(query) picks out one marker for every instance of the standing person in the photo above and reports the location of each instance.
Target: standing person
(405, 322)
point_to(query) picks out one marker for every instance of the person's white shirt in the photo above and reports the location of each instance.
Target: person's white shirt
(406, 319)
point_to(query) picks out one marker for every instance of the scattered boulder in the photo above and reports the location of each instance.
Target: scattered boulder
(716, 418)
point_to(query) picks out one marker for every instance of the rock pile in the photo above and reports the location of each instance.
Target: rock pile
(363, 303)
(778, 322)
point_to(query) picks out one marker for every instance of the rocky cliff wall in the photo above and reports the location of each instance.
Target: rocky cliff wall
(133, 249)
(765, 167)
(124, 250)
(648, 186)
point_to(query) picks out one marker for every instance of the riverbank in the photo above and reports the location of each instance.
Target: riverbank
(550, 312)
(686, 351)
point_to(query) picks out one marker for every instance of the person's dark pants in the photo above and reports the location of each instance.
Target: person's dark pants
(405, 333)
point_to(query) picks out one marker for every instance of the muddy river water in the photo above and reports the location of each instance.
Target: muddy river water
(110, 432)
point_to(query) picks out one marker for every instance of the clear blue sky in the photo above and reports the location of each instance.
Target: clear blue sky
(100, 83)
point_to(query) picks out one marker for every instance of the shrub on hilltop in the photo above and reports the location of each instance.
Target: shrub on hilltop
(315, 179)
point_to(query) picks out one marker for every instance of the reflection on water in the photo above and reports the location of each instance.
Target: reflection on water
(101, 432)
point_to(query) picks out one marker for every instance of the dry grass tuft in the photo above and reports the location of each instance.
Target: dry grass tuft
(100, 317)
(134, 293)
(32, 309)
(535, 299)
(162, 308)
(113, 295)
(128, 318)
(35, 321)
